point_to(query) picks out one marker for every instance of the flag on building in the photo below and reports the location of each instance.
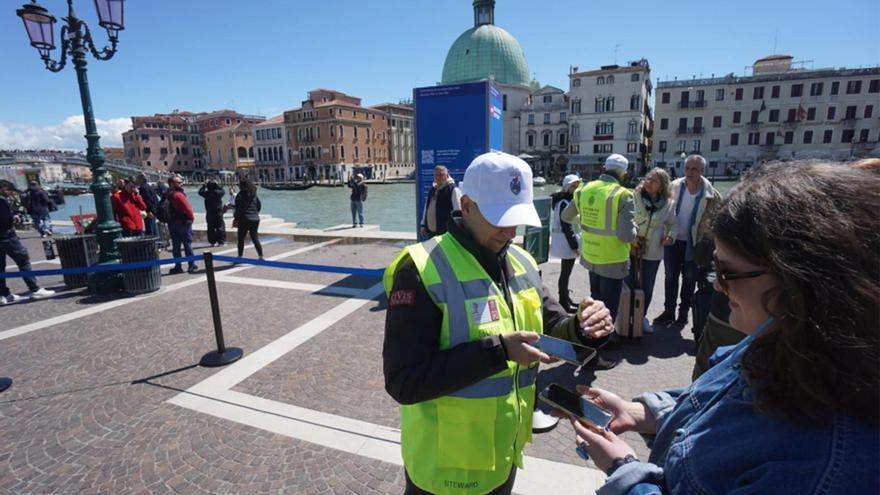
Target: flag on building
(802, 112)
(763, 105)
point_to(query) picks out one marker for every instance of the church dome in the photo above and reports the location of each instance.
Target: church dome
(486, 50)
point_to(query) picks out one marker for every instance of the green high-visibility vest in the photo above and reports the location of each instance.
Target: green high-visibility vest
(468, 441)
(597, 203)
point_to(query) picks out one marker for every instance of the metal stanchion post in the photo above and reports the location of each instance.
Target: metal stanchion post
(223, 355)
(5, 383)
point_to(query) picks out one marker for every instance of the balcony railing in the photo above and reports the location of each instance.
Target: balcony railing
(754, 125)
(692, 104)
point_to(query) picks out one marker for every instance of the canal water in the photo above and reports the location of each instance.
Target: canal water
(391, 206)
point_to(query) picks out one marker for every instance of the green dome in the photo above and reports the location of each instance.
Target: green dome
(486, 50)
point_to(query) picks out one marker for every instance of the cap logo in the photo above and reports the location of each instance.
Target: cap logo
(515, 184)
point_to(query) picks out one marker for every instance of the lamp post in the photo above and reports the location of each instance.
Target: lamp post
(76, 38)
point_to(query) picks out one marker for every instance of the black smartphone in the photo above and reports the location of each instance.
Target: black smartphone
(573, 404)
(565, 350)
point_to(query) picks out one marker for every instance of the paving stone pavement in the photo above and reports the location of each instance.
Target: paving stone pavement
(88, 414)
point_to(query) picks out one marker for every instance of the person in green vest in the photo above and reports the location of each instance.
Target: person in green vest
(606, 216)
(464, 311)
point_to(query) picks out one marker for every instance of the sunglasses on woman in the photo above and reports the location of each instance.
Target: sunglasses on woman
(725, 277)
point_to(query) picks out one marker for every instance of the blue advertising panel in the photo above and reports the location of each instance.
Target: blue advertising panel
(453, 125)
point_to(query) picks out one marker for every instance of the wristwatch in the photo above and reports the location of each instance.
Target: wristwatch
(620, 461)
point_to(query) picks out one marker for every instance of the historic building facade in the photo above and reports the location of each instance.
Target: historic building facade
(543, 131)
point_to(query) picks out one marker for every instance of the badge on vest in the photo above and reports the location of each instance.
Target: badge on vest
(402, 297)
(484, 312)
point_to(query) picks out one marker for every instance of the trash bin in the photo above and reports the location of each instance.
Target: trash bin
(139, 280)
(537, 239)
(77, 251)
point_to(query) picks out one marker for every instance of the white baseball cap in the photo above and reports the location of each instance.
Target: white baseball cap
(569, 180)
(501, 185)
(617, 162)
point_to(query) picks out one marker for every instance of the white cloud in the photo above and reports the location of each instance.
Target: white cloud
(68, 135)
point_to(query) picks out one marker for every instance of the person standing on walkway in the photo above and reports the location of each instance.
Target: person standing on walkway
(38, 208)
(464, 310)
(247, 216)
(10, 245)
(151, 200)
(127, 207)
(358, 196)
(694, 198)
(214, 194)
(180, 224)
(564, 241)
(607, 227)
(655, 221)
(443, 199)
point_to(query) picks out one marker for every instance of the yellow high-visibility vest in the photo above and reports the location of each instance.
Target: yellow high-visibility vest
(468, 441)
(597, 203)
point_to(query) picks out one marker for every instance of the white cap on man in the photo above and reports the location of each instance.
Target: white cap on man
(501, 185)
(569, 180)
(617, 162)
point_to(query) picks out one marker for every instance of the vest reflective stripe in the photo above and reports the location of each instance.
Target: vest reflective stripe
(496, 387)
(453, 294)
(532, 275)
(472, 290)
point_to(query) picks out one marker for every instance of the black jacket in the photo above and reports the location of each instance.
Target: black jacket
(415, 371)
(567, 228)
(358, 190)
(38, 201)
(443, 208)
(151, 199)
(213, 201)
(7, 224)
(247, 207)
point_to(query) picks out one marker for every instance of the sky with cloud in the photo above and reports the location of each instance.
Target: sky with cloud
(67, 135)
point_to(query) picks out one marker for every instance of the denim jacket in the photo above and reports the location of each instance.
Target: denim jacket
(711, 440)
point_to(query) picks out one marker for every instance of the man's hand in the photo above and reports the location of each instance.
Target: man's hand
(519, 350)
(424, 232)
(594, 318)
(603, 447)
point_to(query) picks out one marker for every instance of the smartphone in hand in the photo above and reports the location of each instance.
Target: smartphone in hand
(565, 350)
(575, 405)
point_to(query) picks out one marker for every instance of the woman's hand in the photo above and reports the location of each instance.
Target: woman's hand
(603, 447)
(628, 416)
(667, 241)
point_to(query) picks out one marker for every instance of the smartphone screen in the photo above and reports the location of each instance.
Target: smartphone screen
(565, 350)
(574, 404)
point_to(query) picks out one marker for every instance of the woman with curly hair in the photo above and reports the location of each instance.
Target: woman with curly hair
(794, 407)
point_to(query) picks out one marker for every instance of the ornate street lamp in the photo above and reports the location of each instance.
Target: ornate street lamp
(76, 38)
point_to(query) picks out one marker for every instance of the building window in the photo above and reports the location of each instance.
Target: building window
(663, 146)
(816, 89)
(701, 95)
(797, 90)
(600, 80)
(664, 124)
(754, 118)
(546, 118)
(603, 148)
(734, 139)
(531, 119)
(576, 83)
(853, 87)
(850, 113)
(635, 102)
(682, 124)
(563, 117)
(696, 145)
(504, 102)
(789, 137)
(831, 112)
(774, 115)
(632, 147)
(847, 135)
(546, 138)
(835, 87)
(874, 86)
(609, 79)
(863, 136)
(716, 144)
(827, 136)
(811, 113)
(682, 145)
(771, 138)
(548, 98)
(869, 111)
(664, 98)
(634, 77)
(808, 137)
(600, 105)
(575, 106)
(561, 139)
(774, 92)
(604, 128)
(758, 93)
(716, 121)
(738, 95)
(719, 94)
(609, 103)
(737, 117)
(632, 128)
(792, 115)
(575, 130)
(754, 138)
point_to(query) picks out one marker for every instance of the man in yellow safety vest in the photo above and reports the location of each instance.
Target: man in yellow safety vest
(607, 227)
(464, 310)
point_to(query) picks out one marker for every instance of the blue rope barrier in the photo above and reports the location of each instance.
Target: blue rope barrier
(100, 268)
(364, 272)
